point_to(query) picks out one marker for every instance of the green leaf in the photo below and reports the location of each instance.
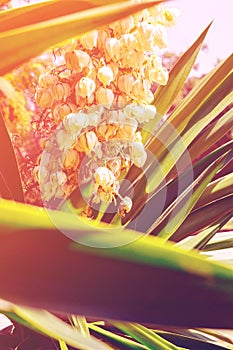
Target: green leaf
(200, 240)
(228, 226)
(170, 145)
(196, 339)
(221, 337)
(166, 194)
(63, 345)
(211, 135)
(145, 336)
(56, 274)
(117, 338)
(10, 181)
(165, 95)
(81, 324)
(171, 219)
(218, 101)
(190, 105)
(223, 240)
(19, 45)
(207, 138)
(54, 327)
(217, 189)
(203, 217)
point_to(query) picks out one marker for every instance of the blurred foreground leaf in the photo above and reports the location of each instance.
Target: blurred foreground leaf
(56, 274)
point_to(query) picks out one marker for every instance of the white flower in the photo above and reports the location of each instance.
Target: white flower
(64, 140)
(85, 87)
(138, 154)
(125, 206)
(105, 75)
(104, 96)
(142, 113)
(74, 122)
(89, 40)
(104, 177)
(94, 118)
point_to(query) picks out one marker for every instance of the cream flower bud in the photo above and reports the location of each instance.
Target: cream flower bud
(64, 140)
(146, 31)
(148, 112)
(140, 89)
(48, 190)
(128, 41)
(106, 197)
(141, 15)
(86, 142)
(71, 60)
(62, 50)
(170, 16)
(125, 25)
(125, 83)
(159, 76)
(114, 68)
(42, 174)
(77, 59)
(94, 118)
(157, 12)
(71, 159)
(104, 96)
(44, 97)
(74, 122)
(160, 37)
(60, 91)
(125, 206)
(115, 166)
(104, 177)
(112, 48)
(137, 137)
(155, 62)
(61, 177)
(106, 131)
(57, 179)
(89, 40)
(134, 60)
(60, 110)
(85, 87)
(127, 130)
(142, 113)
(105, 75)
(121, 99)
(116, 117)
(129, 110)
(102, 37)
(149, 97)
(47, 79)
(138, 154)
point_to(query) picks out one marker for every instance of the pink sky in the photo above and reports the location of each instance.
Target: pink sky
(195, 16)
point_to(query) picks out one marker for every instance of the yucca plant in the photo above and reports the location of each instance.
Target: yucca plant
(141, 276)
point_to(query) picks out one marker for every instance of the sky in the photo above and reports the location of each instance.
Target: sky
(195, 16)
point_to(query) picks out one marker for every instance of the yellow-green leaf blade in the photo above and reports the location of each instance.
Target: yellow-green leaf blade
(52, 326)
(165, 95)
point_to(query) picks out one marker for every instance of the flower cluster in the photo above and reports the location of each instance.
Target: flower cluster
(98, 94)
(100, 135)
